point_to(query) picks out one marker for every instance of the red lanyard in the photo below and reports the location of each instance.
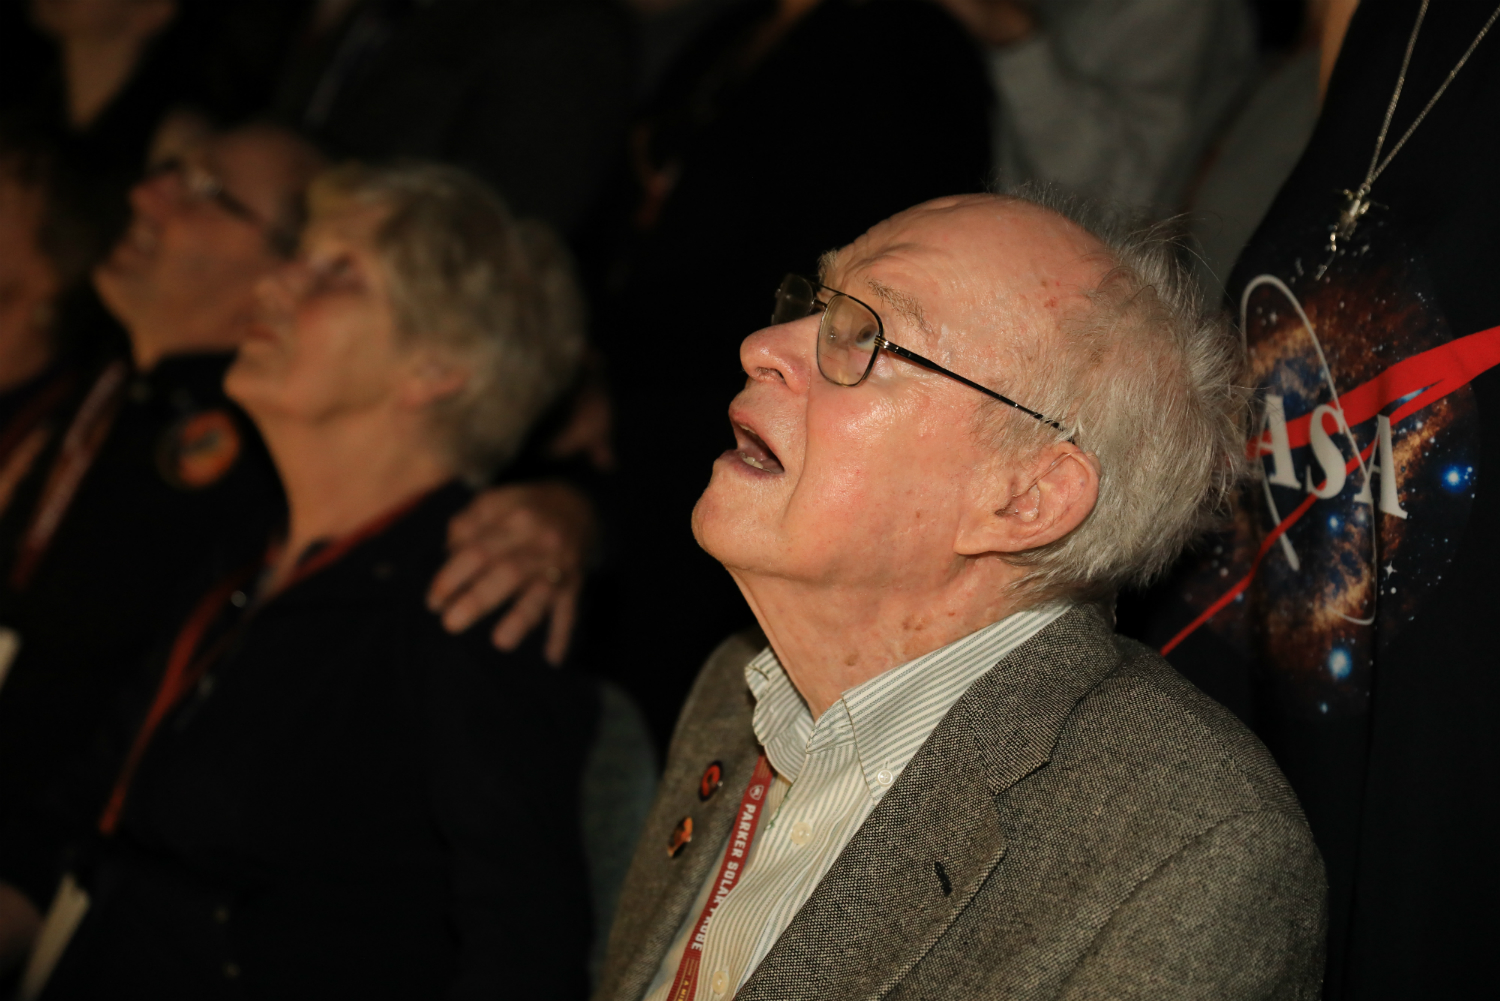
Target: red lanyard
(182, 673)
(751, 807)
(185, 667)
(26, 435)
(79, 448)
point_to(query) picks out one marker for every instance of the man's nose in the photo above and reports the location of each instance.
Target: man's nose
(784, 353)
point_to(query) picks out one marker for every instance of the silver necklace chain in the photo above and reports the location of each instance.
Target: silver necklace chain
(1357, 202)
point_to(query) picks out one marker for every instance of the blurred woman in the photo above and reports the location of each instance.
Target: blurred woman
(328, 794)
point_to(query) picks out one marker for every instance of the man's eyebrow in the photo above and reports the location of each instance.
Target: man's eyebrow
(902, 302)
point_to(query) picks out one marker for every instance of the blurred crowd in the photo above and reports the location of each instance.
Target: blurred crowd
(361, 362)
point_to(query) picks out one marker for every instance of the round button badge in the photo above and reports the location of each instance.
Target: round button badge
(681, 835)
(713, 778)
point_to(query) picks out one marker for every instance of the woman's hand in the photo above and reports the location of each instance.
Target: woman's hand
(525, 544)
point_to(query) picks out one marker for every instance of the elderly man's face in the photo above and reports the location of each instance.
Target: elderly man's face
(872, 485)
(182, 277)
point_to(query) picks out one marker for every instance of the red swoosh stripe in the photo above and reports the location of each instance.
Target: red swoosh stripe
(1436, 373)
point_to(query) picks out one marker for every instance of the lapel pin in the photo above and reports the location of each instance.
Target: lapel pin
(713, 777)
(681, 835)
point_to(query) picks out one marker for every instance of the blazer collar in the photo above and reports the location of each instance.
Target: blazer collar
(927, 849)
(721, 733)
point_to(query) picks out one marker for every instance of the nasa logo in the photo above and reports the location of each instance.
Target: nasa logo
(198, 450)
(1368, 448)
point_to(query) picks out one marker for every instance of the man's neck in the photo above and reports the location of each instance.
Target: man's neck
(153, 336)
(341, 475)
(830, 639)
(148, 362)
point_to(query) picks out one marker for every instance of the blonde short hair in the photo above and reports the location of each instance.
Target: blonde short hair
(495, 295)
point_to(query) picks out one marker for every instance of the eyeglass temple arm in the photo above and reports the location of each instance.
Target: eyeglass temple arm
(912, 356)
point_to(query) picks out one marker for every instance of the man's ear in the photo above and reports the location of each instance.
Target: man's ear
(1024, 505)
(428, 378)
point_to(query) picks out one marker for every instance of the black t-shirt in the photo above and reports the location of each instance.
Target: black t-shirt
(1354, 602)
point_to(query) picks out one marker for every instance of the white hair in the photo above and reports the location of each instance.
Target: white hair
(1150, 380)
(496, 295)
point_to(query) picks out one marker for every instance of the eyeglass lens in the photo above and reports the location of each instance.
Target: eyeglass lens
(848, 334)
(848, 337)
(794, 299)
(201, 185)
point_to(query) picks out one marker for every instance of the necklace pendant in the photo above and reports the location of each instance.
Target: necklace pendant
(1356, 204)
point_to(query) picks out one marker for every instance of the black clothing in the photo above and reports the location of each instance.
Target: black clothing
(352, 803)
(24, 399)
(102, 592)
(1366, 659)
(531, 95)
(743, 174)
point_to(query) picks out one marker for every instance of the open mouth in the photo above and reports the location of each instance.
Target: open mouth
(754, 452)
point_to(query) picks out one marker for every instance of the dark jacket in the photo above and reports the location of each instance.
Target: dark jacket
(1083, 823)
(103, 590)
(353, 803)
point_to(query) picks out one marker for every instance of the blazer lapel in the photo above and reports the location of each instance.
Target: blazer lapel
(660, 889)
(923, 853)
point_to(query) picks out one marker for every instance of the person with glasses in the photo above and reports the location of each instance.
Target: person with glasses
(936, 772)
(124, 494)
(150, 477)
(322, 793)
(783, 128)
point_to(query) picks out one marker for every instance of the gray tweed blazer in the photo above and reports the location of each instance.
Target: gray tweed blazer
(1084, 823)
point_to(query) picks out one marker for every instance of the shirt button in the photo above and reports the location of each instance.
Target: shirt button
(231, 971)
(720, 982)
(884, 777)
(239, 599)
(801, 833)
(221, 914)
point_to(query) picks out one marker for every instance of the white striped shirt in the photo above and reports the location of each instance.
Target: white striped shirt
(829, 776)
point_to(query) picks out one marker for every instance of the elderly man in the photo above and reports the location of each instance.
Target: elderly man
(957, 781)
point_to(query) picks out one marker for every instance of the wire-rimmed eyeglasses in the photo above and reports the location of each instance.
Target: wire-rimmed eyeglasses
(851, 336)
(200, 184)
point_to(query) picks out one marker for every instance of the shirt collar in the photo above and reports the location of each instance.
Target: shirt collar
(890, 716)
